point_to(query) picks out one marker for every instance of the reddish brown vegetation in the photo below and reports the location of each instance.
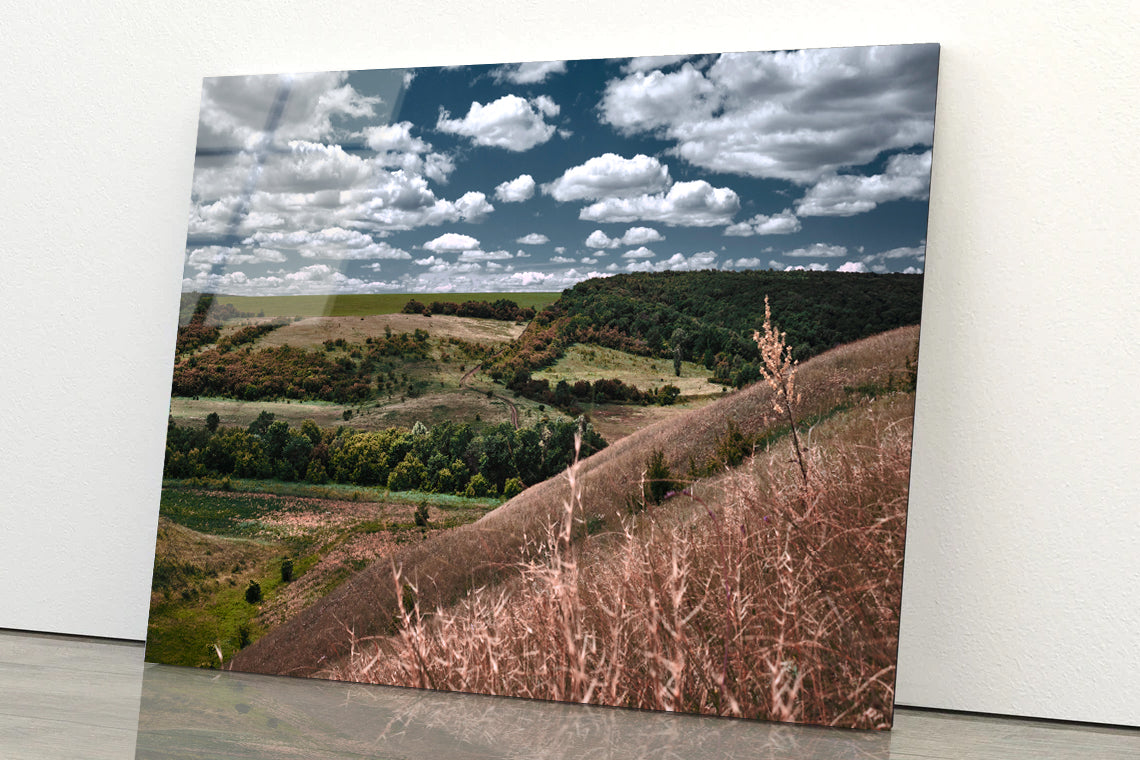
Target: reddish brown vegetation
(748, 600)
(802, 607)
(282, 372)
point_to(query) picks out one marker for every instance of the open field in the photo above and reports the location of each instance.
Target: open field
(356, 305)
(314, 331)
(851, 382)
(212, 544)
(588, 362)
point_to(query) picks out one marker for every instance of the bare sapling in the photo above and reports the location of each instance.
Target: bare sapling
(779, 371)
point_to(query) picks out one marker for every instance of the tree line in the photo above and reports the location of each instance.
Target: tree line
(502, 309)
(567, 395)
(708, 317)
(452, 458)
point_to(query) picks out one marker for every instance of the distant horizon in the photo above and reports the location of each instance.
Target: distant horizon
(504, 292)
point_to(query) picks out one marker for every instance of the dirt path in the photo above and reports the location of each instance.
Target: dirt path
(510, 404)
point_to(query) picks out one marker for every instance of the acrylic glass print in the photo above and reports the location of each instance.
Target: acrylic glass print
(588, 381)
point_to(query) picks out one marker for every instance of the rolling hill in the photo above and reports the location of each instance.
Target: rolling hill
(842, 389)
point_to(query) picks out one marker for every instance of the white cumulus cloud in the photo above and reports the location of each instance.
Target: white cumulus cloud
(639, 253)
(812, 267)
(477, 255)
(517, 190)
(907, 175)
(451, 242)
(394, 138)
(632, 236)
(534, 238)
(650, 62)
(528, 73)
(236, 111)
(331, 243)
(218, 257)
(745, 263)
(692, 204)
(890, 260)
(678, 262)
(819, 251)
(396, 148)
(798, 116)
(783, 223)
(610, 176)
(512, 123)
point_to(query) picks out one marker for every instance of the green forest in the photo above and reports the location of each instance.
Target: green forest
(450, 458)
(709, 317)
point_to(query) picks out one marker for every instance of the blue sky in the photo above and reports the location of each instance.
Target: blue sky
(535, 176)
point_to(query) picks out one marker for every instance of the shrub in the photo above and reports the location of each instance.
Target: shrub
(407, 475)
(253, 592)
(316, 473)
(478, 487)
(658, 478)
(287, 570)
(421, 516)
(445, 481)
(732, 446)
(512, 488)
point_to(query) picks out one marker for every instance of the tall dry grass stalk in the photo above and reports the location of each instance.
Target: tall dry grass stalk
(779, 371)
(729, 601)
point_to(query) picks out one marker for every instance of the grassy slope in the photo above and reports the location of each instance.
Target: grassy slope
(587, 362)
(212, 572)
(446, 565)
(442, 400)
(313, 331)
(753, 598)
(361, 305)
(212, 544)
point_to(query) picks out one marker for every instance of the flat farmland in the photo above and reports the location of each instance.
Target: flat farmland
(358, 305)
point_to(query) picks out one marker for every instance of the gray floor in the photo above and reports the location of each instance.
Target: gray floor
(62, 697)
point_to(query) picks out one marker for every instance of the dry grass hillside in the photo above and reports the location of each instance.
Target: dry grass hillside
(312, 332)
(834, 388)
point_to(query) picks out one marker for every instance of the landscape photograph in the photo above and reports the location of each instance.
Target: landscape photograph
(589, 381)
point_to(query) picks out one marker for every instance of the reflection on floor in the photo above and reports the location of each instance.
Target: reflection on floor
(63, 697)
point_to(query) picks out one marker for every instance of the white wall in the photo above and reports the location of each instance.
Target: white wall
(1022, 590)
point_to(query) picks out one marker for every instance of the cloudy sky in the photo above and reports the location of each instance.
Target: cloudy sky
(535, 176)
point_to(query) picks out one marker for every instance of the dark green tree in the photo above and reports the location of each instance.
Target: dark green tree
(658, 478)
(262, 423)
(678, 340)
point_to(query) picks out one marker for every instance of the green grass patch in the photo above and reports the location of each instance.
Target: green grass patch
(361, 305)
(336, 491)
(233, 515)
(213, 543)
(589, 362)
(181, 633)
